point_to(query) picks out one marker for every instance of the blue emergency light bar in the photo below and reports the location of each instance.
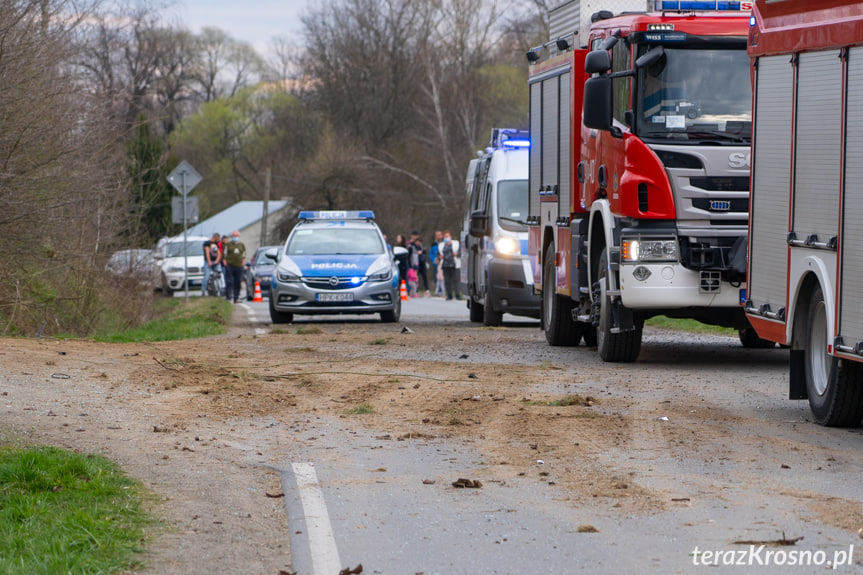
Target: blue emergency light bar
(333, 215)
(686, 5)
(516, 143)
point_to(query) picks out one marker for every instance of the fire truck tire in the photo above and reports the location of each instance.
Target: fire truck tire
(277, 316)
(557, 322)
(476, 311)
(749, 339)
(621, 347)
(837, 401)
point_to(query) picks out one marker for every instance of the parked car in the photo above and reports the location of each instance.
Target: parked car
(335, 263)
(140, 264)
(173, 259)
(260, 269)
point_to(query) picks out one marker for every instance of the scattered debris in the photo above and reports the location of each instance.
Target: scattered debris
(406, 329)
(274, 495)
(463, 356)
(786, 466)
(472, 376)
(467, 483)
(587, 529)
(679, 499)
(355, 571)
(379, 470)
(384, 437)
(540, 462)
(283, 572)
(663, 418)
(784, 542)
(61, 376)
(472, 398)
(431, 482)
(157, 429)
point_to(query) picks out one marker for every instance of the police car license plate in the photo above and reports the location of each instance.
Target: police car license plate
(334, 297)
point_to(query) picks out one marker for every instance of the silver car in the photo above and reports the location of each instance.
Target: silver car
(335, 263)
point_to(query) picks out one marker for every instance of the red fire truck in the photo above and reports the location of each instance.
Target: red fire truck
(639, 205)
(805, 265)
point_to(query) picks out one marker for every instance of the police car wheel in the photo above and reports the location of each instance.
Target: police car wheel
(394, 314)
(277, 316)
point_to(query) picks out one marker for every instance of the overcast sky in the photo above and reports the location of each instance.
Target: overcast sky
(253, 21)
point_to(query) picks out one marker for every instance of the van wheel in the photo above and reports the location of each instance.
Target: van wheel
(835, 401)
(476, 311)
(749, 339)
(622, 347)
(557, 322)
(490, 316)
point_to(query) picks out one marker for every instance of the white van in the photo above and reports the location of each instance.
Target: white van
(496, 274)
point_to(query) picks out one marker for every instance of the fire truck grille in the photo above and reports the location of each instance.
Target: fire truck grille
(727, 184)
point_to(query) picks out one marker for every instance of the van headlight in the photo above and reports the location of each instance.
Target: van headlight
(649, 250)
(507, 246)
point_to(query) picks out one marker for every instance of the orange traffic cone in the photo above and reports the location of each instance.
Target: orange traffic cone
(258, 296)
(404, 291)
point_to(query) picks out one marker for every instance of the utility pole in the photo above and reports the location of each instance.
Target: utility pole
(268, 182)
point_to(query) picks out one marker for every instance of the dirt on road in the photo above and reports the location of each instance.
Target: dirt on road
(190, 420)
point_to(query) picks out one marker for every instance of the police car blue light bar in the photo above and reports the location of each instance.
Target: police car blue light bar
(716, 6)
(334, 215)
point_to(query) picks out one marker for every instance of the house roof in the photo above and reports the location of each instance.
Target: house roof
(238, 217)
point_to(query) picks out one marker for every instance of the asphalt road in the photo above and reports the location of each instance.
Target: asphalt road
(710, 427)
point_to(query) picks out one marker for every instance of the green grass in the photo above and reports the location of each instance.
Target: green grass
(62, 512)
(361, 409)
(178, 319)
(663, 322)
(309, 330)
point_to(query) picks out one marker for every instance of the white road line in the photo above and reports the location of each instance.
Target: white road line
(325, 554)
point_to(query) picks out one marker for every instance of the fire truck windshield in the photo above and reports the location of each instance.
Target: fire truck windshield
(695, 95)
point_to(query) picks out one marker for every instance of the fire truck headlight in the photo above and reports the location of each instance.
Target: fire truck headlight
(642, 250)
(507, 246)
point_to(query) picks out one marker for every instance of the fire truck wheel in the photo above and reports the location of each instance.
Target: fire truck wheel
(622, 347)
(835, 401)
(557, 322)
(476, 311)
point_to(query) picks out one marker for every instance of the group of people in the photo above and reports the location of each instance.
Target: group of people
(228, 258)
(442, 257)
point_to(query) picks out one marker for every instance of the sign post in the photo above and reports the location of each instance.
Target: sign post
(184, 178)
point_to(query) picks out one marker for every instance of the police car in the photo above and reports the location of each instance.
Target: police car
(335, 263)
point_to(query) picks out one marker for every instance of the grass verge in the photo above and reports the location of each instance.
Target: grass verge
(178, 319)
(62, 512)
(663, 322)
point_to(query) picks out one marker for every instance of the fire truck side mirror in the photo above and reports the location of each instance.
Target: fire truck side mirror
(597, 62)
(478, 224)
(597, 104)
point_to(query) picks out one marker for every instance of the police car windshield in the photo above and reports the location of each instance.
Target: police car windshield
(512, 199)
(336, 240)
(696, 95)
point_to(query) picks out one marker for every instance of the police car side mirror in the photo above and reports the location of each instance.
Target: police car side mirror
(478, 224)
(399, 251)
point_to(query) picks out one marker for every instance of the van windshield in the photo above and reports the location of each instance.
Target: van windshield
(512, 205)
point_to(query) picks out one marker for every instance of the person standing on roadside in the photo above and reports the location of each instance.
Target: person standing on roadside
(235, 261)
(418, 261)
(212, 261)
(448, 254)
(433, 252)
